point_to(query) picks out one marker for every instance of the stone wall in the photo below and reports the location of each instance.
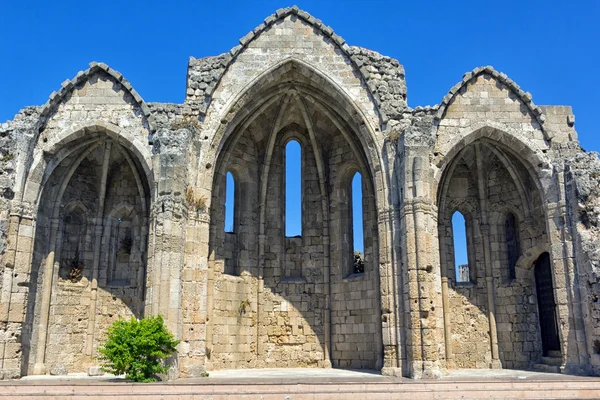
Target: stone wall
(583, 182)
(111, 207)
(355, 315)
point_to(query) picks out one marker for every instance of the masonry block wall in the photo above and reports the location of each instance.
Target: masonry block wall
(113, 207)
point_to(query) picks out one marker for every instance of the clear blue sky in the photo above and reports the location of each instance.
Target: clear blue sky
(460, 239)
(550, 48)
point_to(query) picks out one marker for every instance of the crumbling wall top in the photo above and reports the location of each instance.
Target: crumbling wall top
(469, 77)
(68, 85)
(383, 76)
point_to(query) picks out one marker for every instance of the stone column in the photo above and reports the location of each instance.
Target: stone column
(11, 253)
(39, 367)
(390, 284)
(423, 287)
(6, 294)
(489, 273)
(260, 287)
(170, 213)
(567, 292)
(98, 231)
(447, 325)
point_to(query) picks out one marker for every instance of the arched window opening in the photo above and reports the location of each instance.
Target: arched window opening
(122, 250)
(229, 203)
(231, 224)
(293, 189)
(461, 254)
(73, 247)
(512, 244)
(356, 204)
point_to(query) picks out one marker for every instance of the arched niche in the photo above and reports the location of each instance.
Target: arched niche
(293, 275)
(487, 182)
(72, 299)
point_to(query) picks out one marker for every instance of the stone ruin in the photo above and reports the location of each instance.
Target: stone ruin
(113, 207)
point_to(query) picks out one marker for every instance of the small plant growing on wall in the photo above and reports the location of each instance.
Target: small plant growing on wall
(194, 202)
(137, 349)
(75, 269)
(359, 265)
(244, 305)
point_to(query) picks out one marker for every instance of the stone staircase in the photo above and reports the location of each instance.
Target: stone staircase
(400, 389)
(550, 363)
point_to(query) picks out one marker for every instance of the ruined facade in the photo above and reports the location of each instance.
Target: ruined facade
(113, 207)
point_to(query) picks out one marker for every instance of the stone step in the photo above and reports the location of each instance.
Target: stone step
(546, 368)
(552, 361)
(381, 390)
(553, 353)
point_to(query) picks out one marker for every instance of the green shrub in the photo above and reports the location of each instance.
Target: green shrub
(137, 348)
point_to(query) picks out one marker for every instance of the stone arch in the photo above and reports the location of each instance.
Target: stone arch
(341, 199)
(82, 76)
(518, 169)
(323, 91)
(296, 101)
(533, 159)
(70, 142)
(54, 121)
(122, 208)
(228, 59)
(469, 211)
(76, 173)
(525, 97)
(77, 205)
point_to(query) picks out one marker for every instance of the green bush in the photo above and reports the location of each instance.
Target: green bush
(137, 348)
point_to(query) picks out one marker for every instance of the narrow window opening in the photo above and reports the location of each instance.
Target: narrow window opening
(461, 255)
(231, 225)
(356, 194)
(229, 203)
(293, 189)
(512, 244)
(121, 250)
(73, 247)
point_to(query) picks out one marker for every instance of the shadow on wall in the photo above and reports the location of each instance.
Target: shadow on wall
(92, 225)
(482, 237)
(257, 238)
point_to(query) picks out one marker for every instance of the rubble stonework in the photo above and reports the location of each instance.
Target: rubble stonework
(112, 207)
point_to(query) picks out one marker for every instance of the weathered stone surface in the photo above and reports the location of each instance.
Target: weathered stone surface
(58, 369)
(95, 370)
(113, 207)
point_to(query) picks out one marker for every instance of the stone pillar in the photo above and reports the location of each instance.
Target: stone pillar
(39, 367)
(11, 253)
(170, 212)
(447, 325)
(489, 273)
(98, 231)
(423, 288)
(259, 290)
(567, 294)
(6, 296)
(390, 286)
(195, 302)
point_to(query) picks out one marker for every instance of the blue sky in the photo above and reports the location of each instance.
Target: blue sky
(550, 48)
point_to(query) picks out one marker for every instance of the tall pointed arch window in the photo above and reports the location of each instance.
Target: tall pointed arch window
(357, 228)
(230, 203)
(73, 246)
(461, 252)
(512, 244)
(293, 189)
(231, 224)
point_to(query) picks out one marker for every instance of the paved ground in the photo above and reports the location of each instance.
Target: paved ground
(297, 384)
